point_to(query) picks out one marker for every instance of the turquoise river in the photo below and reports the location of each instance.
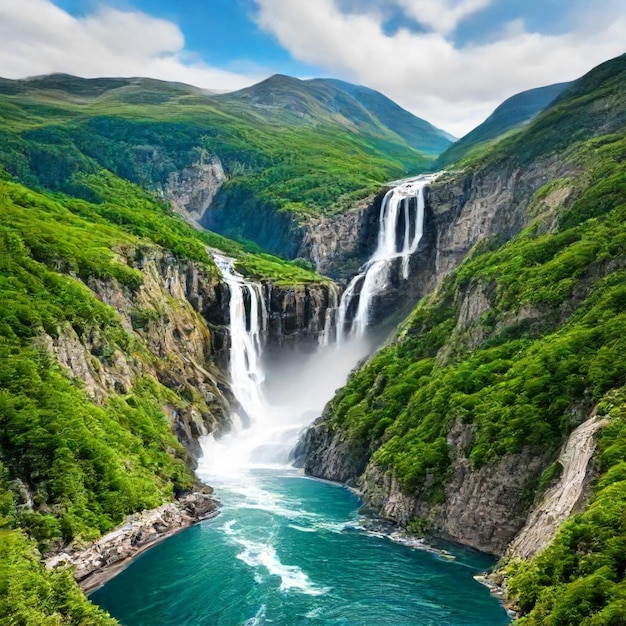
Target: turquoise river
(288, 550)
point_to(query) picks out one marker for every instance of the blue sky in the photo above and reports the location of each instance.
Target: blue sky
(448, 61)
(223, 32)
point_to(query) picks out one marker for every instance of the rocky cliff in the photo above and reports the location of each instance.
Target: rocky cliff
(452, 427)
(483, 508)
(192, 189)
(170, 316)
(178, 319)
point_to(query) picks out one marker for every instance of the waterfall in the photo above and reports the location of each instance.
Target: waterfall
(330, 327)
(405, 201)
(279, 398)
(246, 372)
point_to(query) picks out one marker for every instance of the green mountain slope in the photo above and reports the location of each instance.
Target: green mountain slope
(301, 155)
(85, 444)
(353, 105)
(548, 347)
(510, 115)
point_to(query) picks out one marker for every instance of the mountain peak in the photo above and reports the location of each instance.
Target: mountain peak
(355, 106)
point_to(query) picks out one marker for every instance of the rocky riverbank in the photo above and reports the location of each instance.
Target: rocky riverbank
(109, 555)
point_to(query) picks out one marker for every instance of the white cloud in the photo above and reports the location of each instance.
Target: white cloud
(452, 87)
(442, 16)
(37, 37)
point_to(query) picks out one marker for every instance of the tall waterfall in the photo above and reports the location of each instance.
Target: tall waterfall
(280, 398)
(246, 372)
(402, 205)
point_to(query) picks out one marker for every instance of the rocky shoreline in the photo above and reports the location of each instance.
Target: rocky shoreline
(496, 583)
(112, 553)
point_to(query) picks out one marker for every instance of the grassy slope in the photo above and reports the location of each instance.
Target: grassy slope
(525, 380)
(511, 115)
(141, 130)
(354, 106)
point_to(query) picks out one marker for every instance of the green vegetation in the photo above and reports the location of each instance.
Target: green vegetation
(282, 273)
(32, 596)
(546, 346)
(579, 578)
(509, 117)
(87, 466)
(72, 469)
(519, 385)
(59, 129)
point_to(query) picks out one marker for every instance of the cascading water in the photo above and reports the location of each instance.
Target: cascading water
(405, 201)
(330, 323)
(246, 339)
(277, 553)
(275, 410)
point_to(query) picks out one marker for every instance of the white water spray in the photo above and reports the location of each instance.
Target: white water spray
(407, 201)
(276, 409)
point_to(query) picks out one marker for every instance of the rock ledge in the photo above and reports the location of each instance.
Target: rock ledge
(109, 555)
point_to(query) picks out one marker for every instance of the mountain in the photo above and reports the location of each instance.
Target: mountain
(497, 411)
(510, 115)
(278, 153)
(496, 418)
(355, 106)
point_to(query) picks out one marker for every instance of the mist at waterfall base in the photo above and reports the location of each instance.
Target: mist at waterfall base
(287, 550)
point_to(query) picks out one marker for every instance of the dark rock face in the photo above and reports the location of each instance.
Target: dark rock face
(483, 508)
(235, 213)
(297, 313)
(339, 245)
(325, 454)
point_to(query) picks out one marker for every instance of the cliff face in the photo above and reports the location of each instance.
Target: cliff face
(191, 190)
(236, 213)
(454, 424)
(168, 318)
(469, 207)
(339, 245)
(299, 313)
(482, 508)
(178, 318)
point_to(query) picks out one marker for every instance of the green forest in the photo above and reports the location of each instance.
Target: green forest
(82, 169)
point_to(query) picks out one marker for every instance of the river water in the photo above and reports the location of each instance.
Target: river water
(287, 550)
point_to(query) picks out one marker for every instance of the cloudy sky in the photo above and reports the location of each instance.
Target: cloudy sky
(448, 61)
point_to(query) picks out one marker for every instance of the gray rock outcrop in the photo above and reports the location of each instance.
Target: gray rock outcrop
(107, 556)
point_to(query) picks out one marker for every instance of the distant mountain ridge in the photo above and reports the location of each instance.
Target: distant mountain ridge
(358, 105)
(512, 113)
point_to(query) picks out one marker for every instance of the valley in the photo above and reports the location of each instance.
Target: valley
(203, 289)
